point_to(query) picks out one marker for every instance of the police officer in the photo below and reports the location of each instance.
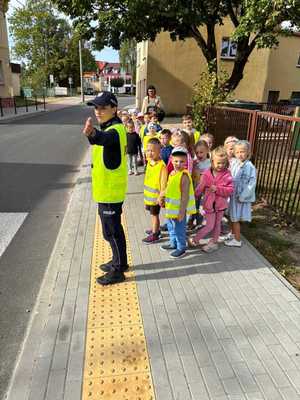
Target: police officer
(109, 180)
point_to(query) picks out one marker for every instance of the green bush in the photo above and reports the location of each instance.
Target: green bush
(208, 91)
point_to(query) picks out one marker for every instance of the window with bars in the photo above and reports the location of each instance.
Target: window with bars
(228, 48)
(1, 73)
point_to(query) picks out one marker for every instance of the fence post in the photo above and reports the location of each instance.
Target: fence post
(36, 103)
(252, 128)
(1, 108)
(26, 104)
(15, 105)
(44, 100)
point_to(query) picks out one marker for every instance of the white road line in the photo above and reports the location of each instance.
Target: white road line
(10, 223)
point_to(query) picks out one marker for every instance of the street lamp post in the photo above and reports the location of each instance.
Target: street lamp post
(81, 71)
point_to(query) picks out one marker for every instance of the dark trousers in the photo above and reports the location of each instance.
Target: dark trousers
(113, 233)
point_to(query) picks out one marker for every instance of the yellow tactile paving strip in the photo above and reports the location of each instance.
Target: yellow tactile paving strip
(116, 359)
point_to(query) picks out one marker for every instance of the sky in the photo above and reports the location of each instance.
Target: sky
(107, 54)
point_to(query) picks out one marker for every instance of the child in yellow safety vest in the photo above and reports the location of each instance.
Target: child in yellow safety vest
(179, 202)
(155, 183)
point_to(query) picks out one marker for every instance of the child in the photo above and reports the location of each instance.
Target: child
(134, 147)
(151, 134)
(166, 147)
(125, 117)
(179, 201)
(187, 122)
(216, 184)
(182, 139)
(153, 120)
(146, 118)
(210, 140)
(201, 164)
(154, 188)
(229, 147)
(244, 177)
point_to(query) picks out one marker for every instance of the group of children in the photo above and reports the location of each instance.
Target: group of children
(196, 183)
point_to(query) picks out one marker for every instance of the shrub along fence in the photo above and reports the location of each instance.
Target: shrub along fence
(275, 141)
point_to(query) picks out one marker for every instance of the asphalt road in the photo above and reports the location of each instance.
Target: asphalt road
(40, 157)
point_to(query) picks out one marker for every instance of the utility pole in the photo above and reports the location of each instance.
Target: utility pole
(81, 71)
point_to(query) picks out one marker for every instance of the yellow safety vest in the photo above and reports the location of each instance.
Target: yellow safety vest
(110, 185)
(142, 132)
(173, 196)
(152, 183)
(196, 136)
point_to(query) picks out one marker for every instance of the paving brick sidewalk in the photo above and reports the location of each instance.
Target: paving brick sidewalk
(218, 326)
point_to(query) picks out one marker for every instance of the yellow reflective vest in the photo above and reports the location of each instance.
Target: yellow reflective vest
(152, 183)
(110, 185)
(173, 195)
(196, 136)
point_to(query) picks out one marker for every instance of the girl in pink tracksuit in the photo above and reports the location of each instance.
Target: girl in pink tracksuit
(217, 185)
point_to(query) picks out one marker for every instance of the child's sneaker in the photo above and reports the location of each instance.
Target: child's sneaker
(233, 243)
(167, 247)
(136, 174)
(152, 238)
(223, 238)
(149, 232)
(177, 253)
(130, 172)
(210, 247)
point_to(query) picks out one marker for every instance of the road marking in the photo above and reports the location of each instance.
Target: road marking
(116, 358)
(10, 223)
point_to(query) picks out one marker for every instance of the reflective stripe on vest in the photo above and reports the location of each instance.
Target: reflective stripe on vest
(110, 185)
(173, 196)
(152, 183)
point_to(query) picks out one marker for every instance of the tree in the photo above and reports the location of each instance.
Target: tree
(127, 56)
(256, 23)
(117, 82)
(46, 43)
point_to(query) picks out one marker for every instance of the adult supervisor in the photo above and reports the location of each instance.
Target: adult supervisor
(109, 180)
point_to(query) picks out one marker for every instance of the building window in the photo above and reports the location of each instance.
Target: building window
(228, 49)
(295, 95)
(1, 73)
(298, 62)
(273, 96)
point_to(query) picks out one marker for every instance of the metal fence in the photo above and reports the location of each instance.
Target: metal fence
(275, 142)
(20, 105)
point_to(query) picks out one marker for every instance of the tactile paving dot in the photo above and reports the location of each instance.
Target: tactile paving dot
(116, 351)
(132, 387)
(116, 359)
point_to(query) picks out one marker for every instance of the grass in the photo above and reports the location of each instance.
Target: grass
(20, 102)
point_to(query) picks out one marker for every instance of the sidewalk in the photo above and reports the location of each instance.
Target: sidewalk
(217, 326)
(52, 104)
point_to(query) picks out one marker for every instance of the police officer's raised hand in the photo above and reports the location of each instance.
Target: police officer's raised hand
(88, 127)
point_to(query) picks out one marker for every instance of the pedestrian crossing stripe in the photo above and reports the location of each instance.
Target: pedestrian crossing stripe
(10, 223)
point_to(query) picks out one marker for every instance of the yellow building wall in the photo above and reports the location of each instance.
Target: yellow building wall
(6, 85)
(284, 75)
(141, 75)
(174, 67)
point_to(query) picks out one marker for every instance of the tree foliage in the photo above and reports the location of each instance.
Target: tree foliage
(256, 23)
(117, 82)
(127, 54)
(46, 43)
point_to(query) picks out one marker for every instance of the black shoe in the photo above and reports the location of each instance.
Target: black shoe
(106, 267)
(109, 267)
(110, 278)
